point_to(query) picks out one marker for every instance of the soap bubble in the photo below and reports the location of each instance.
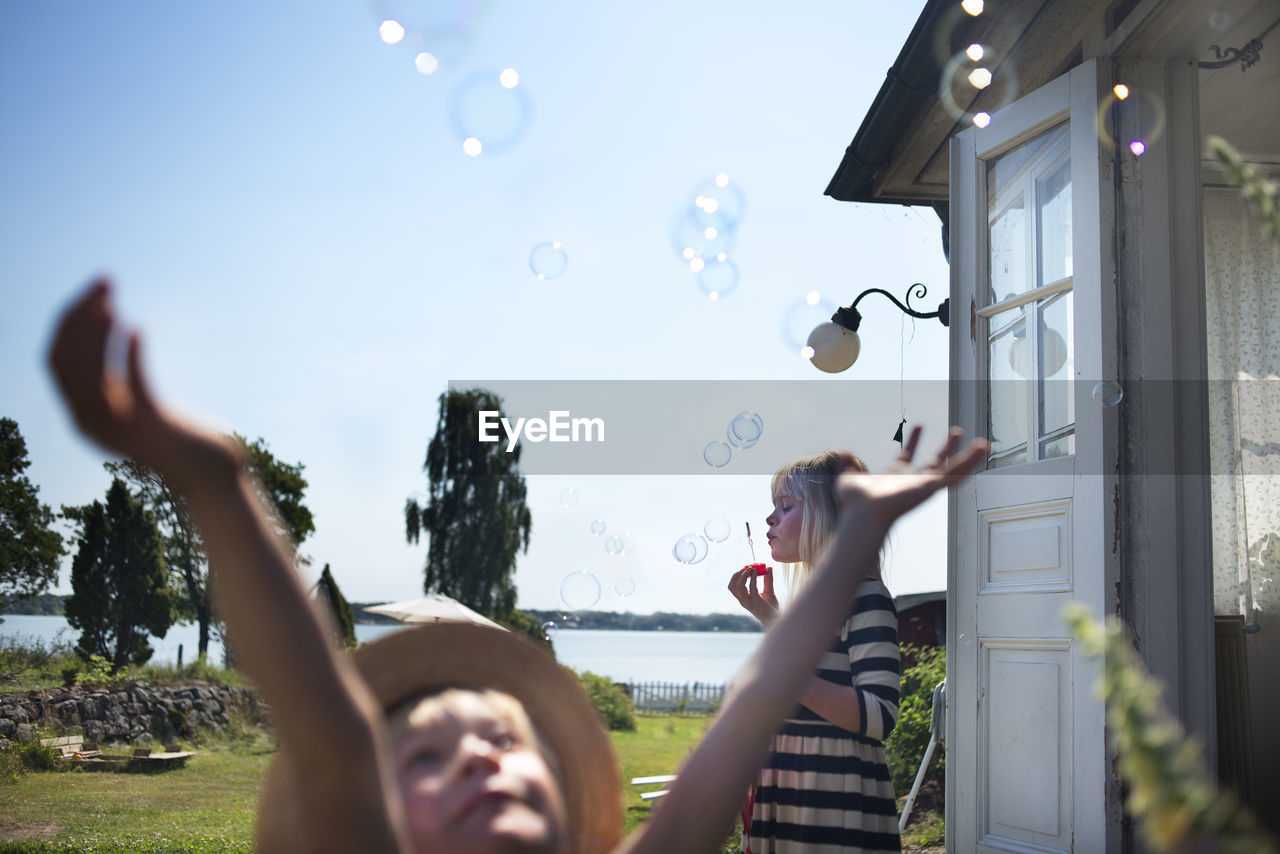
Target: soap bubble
(799, 318)
(620, 544)
(437, 20)
(717, 454)
(700, 237)
(718, 201)
(1130, 114)
(390, 32)
(487, 110)
(718, 276)
(549, 629)
(426, 63)
(568, 498)
(1108, 393)
(625, 586)
(691, 548)
(548, 260)
(745, 429)
(597, 526)
(580, 590)
(716, 530)
(967, 89)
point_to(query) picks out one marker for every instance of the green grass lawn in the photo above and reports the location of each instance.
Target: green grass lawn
(209, 805)
(657, 746)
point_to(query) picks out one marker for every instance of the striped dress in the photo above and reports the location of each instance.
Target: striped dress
(825, 789)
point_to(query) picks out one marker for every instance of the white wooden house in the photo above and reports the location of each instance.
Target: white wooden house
(1092, 241)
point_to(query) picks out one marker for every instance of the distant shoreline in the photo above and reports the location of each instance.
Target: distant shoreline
(51, 605)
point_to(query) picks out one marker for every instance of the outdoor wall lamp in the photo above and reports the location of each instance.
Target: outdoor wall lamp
(833, 346)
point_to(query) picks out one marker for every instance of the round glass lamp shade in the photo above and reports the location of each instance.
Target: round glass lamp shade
(834, 347)
(1054, 354)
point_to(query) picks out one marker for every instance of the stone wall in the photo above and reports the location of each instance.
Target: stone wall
(136, 712)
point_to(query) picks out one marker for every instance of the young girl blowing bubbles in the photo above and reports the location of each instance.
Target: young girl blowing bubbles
(456, 738)
(825, 786)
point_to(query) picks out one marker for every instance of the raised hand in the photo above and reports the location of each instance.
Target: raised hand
(759, 600)
(118, 411)
(902, 487)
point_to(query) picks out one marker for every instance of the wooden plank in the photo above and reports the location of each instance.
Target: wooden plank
(660, 778)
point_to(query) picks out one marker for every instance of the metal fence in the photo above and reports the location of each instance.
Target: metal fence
(666, 698)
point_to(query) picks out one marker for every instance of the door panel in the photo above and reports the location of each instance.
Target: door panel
(1033, 289)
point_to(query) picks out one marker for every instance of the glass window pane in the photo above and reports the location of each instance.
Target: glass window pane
(1007, 256)
(1008, 393)
(1013, 215)
(1056, 335)
(1063, 446)
(1006, 173)
(1053, 197)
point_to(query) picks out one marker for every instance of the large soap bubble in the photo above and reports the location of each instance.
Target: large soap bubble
(717, 454)
(1108, 393)
(580, 590)
(745, 429)
(548, 260)
(716, 530)
(490, 111)
(691, 548)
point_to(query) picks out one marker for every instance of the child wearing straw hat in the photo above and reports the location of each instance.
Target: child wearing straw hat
(455, 738)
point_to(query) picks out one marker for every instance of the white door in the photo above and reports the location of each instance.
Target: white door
(1033, 332)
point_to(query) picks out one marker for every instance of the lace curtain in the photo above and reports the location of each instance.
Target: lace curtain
(1242, 284)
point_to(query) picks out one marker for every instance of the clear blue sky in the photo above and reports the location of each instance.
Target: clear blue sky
(286, 207)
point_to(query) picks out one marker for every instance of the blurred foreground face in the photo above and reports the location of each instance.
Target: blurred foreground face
(473, 777)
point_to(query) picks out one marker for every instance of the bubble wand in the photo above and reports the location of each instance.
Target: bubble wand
(758, 569)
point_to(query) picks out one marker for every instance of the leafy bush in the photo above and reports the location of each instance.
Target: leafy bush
(610, 701)
(199, 670)
(1171, 790)
(96, 670)
(25, 662)
(10, 766)
(17, 759)
(528, 624)
(34, 756)
(906, 745)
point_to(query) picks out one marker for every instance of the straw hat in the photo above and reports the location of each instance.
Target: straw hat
(404, 664)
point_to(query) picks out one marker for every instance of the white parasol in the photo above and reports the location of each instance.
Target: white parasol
(432, 609)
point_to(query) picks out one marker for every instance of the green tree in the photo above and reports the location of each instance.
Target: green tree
(183, 549)
(281, 486)
(327, 589)
(475, 517)
(29, 547)
(120, 592)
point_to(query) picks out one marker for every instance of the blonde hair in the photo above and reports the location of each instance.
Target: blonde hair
(427, 710)
(811, 481)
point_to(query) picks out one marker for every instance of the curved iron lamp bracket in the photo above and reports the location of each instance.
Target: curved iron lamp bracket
(850, 318)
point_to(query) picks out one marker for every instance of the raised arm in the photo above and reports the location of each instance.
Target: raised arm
(277, 636)
(699, 810)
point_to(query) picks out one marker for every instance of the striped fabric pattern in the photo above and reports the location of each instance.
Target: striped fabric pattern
(825, 790)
